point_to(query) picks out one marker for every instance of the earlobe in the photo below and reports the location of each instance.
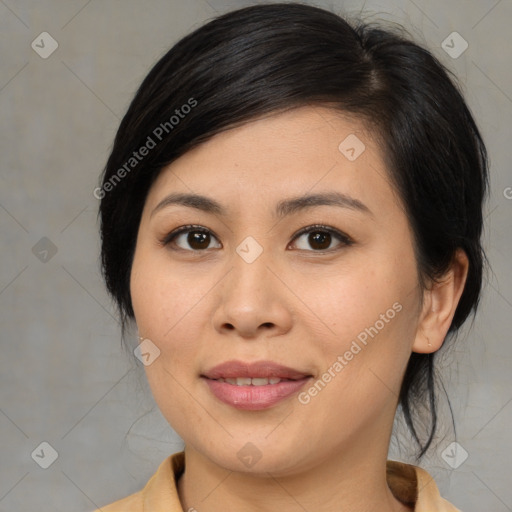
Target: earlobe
(439, 306)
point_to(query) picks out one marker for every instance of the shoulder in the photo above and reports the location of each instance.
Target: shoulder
(415, 487)
(160, 493)
(428, 495)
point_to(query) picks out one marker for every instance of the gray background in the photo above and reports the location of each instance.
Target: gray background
(64, 376)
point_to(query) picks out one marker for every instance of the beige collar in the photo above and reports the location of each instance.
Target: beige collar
(409, 484)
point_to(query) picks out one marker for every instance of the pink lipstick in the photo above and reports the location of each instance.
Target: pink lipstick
(254, 386)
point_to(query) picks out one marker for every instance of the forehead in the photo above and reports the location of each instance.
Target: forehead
(303, 150)
(305, 131)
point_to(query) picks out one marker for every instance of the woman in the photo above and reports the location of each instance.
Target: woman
(291, 215)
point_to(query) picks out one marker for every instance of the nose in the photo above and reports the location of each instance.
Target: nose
(252, 302)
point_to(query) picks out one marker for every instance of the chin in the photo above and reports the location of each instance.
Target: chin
(255, 457)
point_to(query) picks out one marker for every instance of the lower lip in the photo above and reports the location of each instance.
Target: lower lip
(254, 398)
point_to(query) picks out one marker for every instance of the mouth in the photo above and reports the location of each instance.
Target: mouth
(253, 381)
(255, 371)
(254, 386)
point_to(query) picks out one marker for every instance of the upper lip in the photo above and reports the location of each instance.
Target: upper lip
(257, 369)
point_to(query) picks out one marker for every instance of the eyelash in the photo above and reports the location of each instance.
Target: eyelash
(344, 239)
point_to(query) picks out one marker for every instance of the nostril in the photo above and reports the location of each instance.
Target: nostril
(268, 324)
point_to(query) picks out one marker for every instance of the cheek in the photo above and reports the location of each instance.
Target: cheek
(359, 298)
(371, 313)
(171, 309)
(362, 373)
(165, 298)
(168, 311)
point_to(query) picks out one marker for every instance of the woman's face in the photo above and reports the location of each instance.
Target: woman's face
(326, 286)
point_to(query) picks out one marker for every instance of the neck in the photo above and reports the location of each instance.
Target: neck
(337, 483)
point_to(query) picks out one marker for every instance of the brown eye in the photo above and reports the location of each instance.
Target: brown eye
(320, 238)
(198, 240)
(192, 238)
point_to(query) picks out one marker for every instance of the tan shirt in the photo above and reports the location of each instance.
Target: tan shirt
(409, 484)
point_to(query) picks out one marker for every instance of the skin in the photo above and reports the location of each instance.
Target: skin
(295, 304)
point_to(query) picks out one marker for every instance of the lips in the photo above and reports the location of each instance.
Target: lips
(254, 386)
(256, 370)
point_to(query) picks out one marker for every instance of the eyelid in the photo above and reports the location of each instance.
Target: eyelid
(169, 237)
(340, 235)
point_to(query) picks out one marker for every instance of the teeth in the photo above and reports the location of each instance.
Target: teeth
(247, 381)
(259, 382)
(242, 381)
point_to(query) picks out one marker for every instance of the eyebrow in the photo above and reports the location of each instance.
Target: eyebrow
(283, 208)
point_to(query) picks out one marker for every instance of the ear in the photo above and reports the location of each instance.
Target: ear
(439, 305)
